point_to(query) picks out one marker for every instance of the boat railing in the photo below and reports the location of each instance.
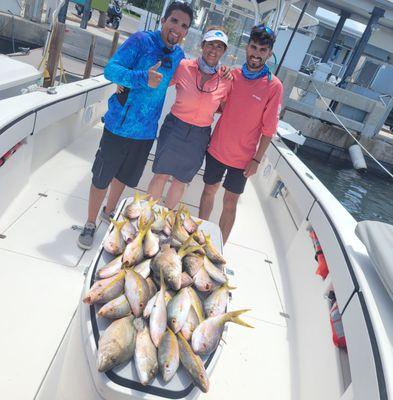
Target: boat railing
(27, 122)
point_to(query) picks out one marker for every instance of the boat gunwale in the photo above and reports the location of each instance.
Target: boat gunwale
(383, 395)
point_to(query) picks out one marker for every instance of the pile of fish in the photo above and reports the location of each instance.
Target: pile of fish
(166, 292)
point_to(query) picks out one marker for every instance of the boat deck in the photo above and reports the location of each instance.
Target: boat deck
(42, 263)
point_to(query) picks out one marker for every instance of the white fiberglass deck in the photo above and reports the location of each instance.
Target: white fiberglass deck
(42, 264)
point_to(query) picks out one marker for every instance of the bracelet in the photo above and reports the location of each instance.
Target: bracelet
(257, 161)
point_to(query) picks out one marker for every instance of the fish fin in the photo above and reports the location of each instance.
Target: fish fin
(164, 213)
(170, 217)
(181, 337)
(140, 224)
(147, 222)
(236, 313)
(125, 217)
(152, 202)
(186, 243)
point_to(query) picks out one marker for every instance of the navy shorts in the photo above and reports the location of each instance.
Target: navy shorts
(234, 180)
(121, 158)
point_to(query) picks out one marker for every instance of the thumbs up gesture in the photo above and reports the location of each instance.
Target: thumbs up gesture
(154, 76)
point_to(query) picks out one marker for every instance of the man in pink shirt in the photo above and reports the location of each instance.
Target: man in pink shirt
(244, 130)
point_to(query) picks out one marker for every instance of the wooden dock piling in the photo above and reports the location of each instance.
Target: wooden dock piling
(90, 57)
(115, 41)
(55, 46)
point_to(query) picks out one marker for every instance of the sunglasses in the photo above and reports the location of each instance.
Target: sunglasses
(201, 89)
(263, 28)
(166, 61)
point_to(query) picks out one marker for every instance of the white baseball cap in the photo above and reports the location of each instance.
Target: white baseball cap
(215, 35)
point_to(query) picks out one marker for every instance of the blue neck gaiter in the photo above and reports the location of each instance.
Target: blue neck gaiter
(255, 75)
(204, 67)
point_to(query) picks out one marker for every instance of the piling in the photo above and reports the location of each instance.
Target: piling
(115, 41)
(55, 46)
(90, 57)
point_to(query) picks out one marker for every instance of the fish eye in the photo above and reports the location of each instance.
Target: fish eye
(141, 305)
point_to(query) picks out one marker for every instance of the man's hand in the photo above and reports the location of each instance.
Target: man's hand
(119, 89)
(154, 76)
(225, 72)
(251, 168)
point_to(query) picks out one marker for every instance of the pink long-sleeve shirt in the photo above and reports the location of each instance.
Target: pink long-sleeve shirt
(252, 109)
(192, 105)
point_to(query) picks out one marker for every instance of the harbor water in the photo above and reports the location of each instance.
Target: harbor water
(366, 196)
(7, 46)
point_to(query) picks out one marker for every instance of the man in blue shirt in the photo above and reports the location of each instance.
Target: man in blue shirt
(144, 65)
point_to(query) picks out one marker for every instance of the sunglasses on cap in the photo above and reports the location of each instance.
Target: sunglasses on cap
(263, 28)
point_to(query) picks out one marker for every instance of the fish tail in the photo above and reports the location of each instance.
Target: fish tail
(118, 224)
(233, 316)
(226, 285)
(186, 243)
(184, 251)
(239, 321)
(143, 227)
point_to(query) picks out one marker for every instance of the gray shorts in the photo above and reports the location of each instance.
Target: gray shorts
(181, 148)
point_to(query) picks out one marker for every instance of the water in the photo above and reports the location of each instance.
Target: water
(365, 196)
(7, 48)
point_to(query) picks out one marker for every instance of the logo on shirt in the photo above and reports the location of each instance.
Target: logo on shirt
(256, 97)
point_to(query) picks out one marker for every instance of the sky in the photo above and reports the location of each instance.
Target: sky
(334, 18)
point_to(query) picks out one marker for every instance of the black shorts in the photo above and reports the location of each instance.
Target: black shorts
(121, 158)
(234, 180)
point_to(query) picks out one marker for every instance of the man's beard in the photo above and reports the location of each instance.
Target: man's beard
(255, 65)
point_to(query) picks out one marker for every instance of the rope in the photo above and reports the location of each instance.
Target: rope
(350, 134)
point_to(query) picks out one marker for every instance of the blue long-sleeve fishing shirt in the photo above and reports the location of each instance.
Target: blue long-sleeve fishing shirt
(138, 117)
